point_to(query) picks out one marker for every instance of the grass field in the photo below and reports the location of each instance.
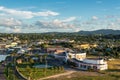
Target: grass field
(113, 73)
(36, 73)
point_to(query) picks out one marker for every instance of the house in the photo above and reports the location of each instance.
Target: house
(7, 46)
(21, 51)
(13, 44)
(55, 50)
(58, 49)
(93, 45)
(84, 46)
(39, 42)
(19, 61)
(2, 45)
(62, 41)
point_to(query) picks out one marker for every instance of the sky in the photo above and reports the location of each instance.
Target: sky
(38, 16)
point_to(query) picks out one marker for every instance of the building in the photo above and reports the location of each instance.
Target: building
(2, 46)
(80, 61)
(19, 61)
(78, 56)
(91, 64)
(62, 41)
(13, 44)
(57, 50)
(63, 57)
(86, 46)
(21, 51)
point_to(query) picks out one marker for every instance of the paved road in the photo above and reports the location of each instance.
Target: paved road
(2, 75)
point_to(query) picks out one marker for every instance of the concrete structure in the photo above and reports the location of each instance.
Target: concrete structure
(91, 64)
(81, 62)
(78, 56)
(62, 56)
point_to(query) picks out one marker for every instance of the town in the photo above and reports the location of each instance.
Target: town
(39, 56)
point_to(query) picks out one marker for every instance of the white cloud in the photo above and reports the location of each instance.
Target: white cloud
(26, 14)
(2, 14)
(94, 17)
(17, 30)
(9, 22)
(69, 19)
(57, 24)
(47, 13)
(1, 7)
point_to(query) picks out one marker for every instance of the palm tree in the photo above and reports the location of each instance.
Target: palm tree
(28, 69)
(13, 55)
(27, 57)
(35, 71)
(31, 61)
(45, 57)
(45, 69)
(41, 57)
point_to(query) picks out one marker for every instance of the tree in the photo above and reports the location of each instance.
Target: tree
(31, 61)
(27, 57)
(45, 58)
(13, 55)
(40, 58)
(62, 68)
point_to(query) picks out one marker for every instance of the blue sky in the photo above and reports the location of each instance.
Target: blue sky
(36, 16)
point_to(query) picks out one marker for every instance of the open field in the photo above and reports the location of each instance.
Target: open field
(113, 73)
(37, 73)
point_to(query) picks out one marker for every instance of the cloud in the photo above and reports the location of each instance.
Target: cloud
(69, 19)
(26, 14)
(2, 14)
(10, 22)
(57, 24)
(94, 18)
(17, 30)
(110, 16)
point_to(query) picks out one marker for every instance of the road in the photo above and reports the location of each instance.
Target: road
(58, 75)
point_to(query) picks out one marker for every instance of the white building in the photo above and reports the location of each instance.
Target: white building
(91, 64)
(21, 51)
(99, 63)
(78, 56)
(83, 63)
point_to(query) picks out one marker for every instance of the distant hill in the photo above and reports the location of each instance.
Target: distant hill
(101, 31)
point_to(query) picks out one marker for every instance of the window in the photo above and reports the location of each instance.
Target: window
(84, 66)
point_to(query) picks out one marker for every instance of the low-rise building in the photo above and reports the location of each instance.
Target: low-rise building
(78, 56)
(19, 61)
(13, 44)
(2, 45)
(91, 64)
